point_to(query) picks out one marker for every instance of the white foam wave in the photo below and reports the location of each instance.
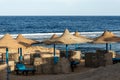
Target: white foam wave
(43, 36)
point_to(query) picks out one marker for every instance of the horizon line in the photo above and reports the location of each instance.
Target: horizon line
(59, 15)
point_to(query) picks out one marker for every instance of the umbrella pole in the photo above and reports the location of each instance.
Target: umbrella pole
(7, 58)
(76, 46)
(18, 50)
(106, 46)
(66, 51)
(110, 47)
(54, 51)
(55, 57)
(21, 55)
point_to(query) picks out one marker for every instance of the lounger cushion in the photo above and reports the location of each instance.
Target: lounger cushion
(20, 66)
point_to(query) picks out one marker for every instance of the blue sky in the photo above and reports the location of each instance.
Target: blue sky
(60, 7)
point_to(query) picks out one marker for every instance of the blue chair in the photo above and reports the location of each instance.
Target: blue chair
(2, 61)
(20, 67)
(56, 59)
(115, 60)
(73, 64)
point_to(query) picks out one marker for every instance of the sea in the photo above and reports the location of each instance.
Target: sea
(43, 27)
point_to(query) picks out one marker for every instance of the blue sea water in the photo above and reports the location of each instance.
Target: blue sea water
(50, 24)
(42, 27)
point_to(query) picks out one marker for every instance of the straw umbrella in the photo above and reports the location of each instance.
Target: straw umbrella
(25, 41)
(106, 38)
(48, 41)
(54, 36)
(8, 42)
(67, 38)
(77, 34)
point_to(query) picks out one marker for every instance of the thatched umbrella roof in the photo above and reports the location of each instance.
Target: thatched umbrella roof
(27, 42)
(8, 42)
(113, 38)
(48, 41)
(54, 36)
(67, 38)
(107, 37)
(77, 34)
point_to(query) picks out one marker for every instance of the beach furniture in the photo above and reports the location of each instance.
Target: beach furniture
(115, 60)
(73, 64)
(26, 58)
(21, 68)
(1, 59)
(56, 59)
(33, 56)
(24, 41)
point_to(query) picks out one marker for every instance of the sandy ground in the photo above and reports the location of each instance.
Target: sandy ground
(12, 76)
(110, 72)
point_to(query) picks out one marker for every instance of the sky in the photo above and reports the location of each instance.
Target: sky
(60, 7)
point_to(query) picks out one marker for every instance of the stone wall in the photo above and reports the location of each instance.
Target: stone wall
(47, 66)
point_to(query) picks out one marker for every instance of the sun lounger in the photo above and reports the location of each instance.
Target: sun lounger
(20, 67)
(2, 61)
(56, 59)
(73, 64)
(115, 60)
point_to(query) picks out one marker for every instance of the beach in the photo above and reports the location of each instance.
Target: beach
(55, 64)
(110, 72)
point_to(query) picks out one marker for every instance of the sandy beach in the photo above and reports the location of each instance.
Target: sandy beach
(110, 72)
(60, 40)
(101, 69)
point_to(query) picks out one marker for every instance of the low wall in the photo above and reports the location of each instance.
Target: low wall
(47, 66)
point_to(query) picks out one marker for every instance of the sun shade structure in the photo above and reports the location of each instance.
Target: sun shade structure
(25, 41)
(67, 38)
(54, 36)
(48, 41)
(77, 34)
(106, 38)
(8, 42)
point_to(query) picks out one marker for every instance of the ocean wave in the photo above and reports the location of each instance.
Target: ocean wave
(42, 36)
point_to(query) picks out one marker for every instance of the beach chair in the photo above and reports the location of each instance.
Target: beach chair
(56, 59)
(116, 60)
(73, 64)
(21, 68)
